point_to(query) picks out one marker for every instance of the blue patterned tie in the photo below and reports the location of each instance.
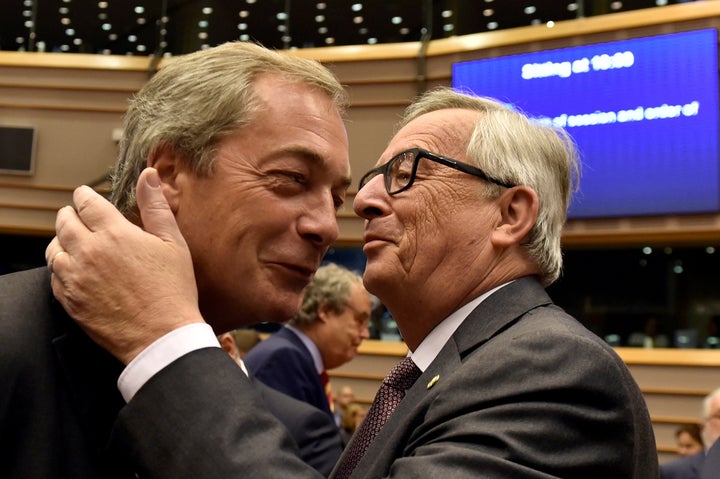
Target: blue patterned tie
(392, 390)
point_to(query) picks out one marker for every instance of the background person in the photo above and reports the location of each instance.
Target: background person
(712, 463)
(352, 417)
(463, 219)
(689, 439)
(323, 335)
(318, 440)
(691, 466)
(244, 339)
(711, 418)
(343, 398)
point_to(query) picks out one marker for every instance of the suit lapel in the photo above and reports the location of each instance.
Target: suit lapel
(293, 338)
(492, 316)
(500, 311)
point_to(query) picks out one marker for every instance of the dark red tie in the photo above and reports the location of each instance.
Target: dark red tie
(325, 380)
(391, 391)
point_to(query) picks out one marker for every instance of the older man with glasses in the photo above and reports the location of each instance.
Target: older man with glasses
(706, 463)
(463, 219)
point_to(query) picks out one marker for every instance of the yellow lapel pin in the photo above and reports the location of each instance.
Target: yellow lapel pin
(433, 381)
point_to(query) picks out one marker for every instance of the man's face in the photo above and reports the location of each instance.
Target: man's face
(341, 333)
(687, 446)
(711, 428)
(436, 233)
(345, 396)
(259, 226)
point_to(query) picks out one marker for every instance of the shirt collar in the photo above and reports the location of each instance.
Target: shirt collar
(430, 347)
(311, 346)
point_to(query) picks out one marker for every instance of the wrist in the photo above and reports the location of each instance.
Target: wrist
(166, 349)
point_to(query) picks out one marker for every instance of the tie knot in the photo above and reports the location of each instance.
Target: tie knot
(403, 375)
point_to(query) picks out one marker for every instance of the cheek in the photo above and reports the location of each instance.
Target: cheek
(426, 232)
(349, 333)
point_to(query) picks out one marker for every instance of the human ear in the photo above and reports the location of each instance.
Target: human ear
(228, 344)
(519, 210)
(323, 311)
(169, 165)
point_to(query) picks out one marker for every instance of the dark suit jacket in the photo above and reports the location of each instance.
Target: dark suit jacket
(59, 398)
(711, 466)
(58, 393)
(524, 391)
(317, 436)
(284, 363)
(683, 468)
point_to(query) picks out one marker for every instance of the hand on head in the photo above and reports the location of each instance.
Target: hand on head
(120, 262)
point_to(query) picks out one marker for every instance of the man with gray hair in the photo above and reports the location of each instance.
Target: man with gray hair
(250, 148)
(711, 418)
(325, 334)
(463, 217)
(691, 467)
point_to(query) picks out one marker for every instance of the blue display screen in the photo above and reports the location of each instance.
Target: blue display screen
(643, 112)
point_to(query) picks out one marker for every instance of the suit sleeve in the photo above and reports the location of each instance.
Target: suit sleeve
(315, 433)
(323, 445)
(288, 371)
(200, 418)
(712, 462)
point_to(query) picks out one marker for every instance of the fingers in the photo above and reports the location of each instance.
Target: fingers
(157, 217)
(95, 211)
(54, 256)
(52, 250)
(68, 227)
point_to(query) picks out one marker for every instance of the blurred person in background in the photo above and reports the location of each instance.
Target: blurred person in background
(318, 439)
(691, 466)
(343, 398)
(352, 417)
(689, 439)
(325, 334)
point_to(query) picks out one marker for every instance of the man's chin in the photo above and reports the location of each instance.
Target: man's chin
(374, 277)
(240, 315)
(282, 311)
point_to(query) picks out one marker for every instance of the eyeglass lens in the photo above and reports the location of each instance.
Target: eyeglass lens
(400, 171)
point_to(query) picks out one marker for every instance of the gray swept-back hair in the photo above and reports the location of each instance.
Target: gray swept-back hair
(331, 287)
(707, 401)
(196, 100)
(519, 150)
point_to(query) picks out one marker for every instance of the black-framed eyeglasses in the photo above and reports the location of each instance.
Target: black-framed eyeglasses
(399, 173)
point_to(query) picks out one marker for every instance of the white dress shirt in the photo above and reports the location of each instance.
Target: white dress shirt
(430, 347)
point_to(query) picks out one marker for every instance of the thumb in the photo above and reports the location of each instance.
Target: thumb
(157, 217)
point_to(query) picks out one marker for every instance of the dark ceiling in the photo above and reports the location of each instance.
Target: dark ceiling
(172, 27)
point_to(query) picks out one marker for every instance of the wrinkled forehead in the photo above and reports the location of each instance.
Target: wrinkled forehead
(446, 132)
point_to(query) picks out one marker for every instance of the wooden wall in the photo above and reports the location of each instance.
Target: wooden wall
(75, 102)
